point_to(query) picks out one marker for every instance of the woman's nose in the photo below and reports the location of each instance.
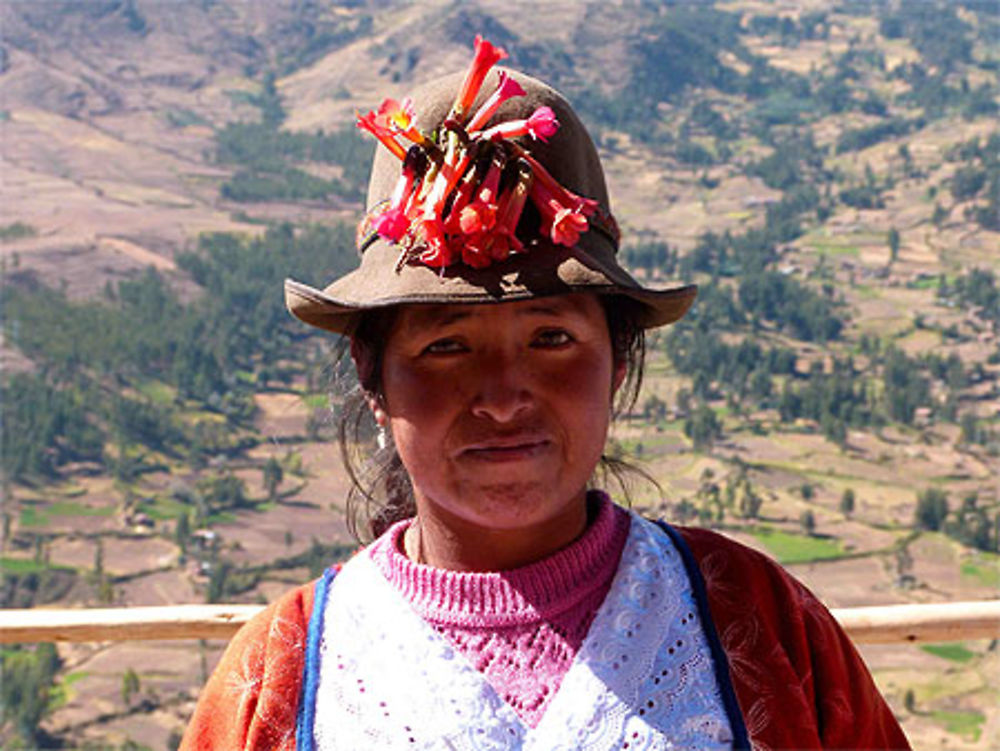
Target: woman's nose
(503, 393)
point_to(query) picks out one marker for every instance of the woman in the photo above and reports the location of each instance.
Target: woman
(503, 604)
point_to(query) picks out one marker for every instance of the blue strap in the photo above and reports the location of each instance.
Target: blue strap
(306, 716)
(741, 739)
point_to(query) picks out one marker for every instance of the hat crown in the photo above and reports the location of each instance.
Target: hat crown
(569, 155)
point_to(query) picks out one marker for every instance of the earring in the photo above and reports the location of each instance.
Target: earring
(381, 439)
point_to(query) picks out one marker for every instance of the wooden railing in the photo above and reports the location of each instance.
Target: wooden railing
(953, 621)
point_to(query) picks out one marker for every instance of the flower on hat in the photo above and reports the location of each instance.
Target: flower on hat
(462, 191)
(486, 56)
(393, 223)
(541, 126)
(374, 125)
(508, 89)
(480, 215)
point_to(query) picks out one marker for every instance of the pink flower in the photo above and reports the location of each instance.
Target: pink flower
(508, 89)
(542, 125)
(392, 224)
(563, 219)
(487, 55)
(552, 188)
(370, 122)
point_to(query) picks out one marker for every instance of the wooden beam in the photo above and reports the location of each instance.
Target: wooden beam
(944, 621)
(124, 624)
(951, 621)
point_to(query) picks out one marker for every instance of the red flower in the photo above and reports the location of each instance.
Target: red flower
(452, 225)
(370, 122)
(476, 251)
(485, 58)
(508, 89)
(509, 214)
(438, 254)
(480, 215)
(564, 214)
(542, 125)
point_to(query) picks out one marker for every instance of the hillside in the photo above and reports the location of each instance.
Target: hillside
(827, 171)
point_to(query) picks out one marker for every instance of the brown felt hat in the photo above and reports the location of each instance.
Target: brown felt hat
(545, 269)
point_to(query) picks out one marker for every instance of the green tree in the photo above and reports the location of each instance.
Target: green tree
(130, 686)
(28, 676)
(893, 241)
(182, 531)
(703, 427)
(932, 509)
(272, 475)
(808, 522)
(847, 502)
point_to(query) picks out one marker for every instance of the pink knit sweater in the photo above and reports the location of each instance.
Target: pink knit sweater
(521, 628)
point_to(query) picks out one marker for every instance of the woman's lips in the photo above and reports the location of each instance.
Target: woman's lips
(507, 449)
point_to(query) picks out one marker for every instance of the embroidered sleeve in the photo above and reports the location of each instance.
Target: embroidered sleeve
(250, 701)
(798, 678)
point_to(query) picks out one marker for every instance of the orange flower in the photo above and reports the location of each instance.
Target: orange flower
(487, 55)
(370, 122)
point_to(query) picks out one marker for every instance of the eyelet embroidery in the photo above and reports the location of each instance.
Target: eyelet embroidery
(389, 680)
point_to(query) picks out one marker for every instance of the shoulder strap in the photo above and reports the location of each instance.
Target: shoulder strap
(719, 659)
(310, 669)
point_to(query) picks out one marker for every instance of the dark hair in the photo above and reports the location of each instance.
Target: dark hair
(381, 493)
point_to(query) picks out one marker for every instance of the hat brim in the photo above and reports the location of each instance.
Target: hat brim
(545, 270)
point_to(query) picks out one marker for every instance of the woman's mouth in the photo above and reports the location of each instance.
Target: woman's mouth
(507, 449)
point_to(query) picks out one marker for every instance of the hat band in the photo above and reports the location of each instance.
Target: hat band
(602, 221)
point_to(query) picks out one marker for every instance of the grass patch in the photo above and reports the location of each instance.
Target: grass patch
(62, 692)
(954, 652)
(157, 392)
(967, 724)
(16, 231)
(72, 508)
(792, 548)
(30, 517)
(39, 516)
(833, 248)
(28, 566)
(316, 401)
(986, 573)
(182, 118)
(164, 509)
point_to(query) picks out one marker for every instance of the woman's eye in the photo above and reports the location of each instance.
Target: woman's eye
(443, 347)
(553, 338)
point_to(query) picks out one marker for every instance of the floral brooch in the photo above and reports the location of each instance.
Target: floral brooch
(463, 188)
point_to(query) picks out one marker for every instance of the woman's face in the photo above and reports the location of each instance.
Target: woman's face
(500, 411)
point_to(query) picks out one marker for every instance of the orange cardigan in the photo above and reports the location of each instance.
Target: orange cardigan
(798, 681)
